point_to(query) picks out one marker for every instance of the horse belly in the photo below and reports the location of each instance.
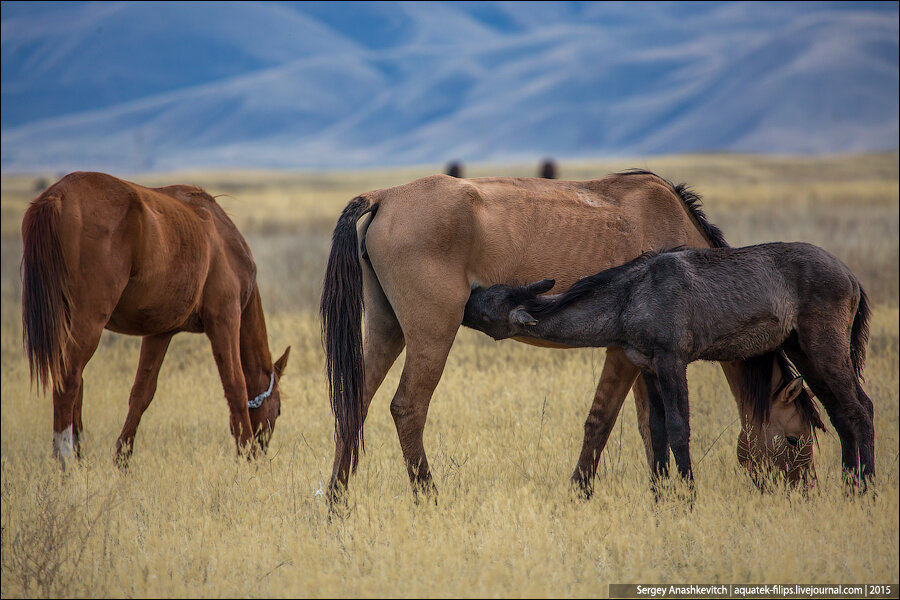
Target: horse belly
(151, 309)
(752, 338)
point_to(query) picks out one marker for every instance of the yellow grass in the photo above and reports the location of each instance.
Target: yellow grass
(504, 430)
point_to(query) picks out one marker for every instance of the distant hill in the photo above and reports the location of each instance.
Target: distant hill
(135, 86)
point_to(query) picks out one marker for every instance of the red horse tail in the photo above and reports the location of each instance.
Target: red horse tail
(46, 298)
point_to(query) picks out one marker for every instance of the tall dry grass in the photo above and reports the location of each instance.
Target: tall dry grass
(504, 430)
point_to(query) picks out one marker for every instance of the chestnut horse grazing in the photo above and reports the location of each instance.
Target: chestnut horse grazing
(100, 252)
(413, 261)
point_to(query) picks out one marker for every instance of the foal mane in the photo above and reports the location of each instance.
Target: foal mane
(580, 288)
(758, 387)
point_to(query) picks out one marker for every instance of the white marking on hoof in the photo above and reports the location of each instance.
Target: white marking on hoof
(62, 445)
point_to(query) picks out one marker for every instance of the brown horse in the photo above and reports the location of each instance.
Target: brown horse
(100, 252)
(426, 243)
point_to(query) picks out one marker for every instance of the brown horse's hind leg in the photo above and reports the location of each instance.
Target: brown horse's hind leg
(430, 311)
(153, 349)
(67, 398)
(78, 440)
(382, 344)
(616, 379)
(424, 365)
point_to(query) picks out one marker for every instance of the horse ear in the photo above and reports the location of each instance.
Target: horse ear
(520, 316)
(792, 390)
(281, 363)
(539, 287)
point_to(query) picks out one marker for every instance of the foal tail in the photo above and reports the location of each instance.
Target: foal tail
(341, 310)
(859, 333)
(46, 297)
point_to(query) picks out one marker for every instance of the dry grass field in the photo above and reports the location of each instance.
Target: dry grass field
(189, 519)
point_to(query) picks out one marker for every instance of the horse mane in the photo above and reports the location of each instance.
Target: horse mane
(580, 288)
(758, 387)
(693, 203)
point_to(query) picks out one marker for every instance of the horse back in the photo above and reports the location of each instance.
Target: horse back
(518, 230)
(153, 250)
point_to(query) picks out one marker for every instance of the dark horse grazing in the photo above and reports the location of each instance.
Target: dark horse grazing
(100, 252)
(668, 309)
(412, 263)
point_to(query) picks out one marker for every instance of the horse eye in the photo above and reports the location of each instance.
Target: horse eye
(793, 441)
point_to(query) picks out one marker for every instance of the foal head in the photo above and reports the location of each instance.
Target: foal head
(779, 427)
(499, 310)
(262, 417)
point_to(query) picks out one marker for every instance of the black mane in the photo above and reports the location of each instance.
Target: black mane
(693, 202)
(581, 288)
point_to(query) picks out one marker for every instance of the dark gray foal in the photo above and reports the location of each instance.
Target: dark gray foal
(668, 309)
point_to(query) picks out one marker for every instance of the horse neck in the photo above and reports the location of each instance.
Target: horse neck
(256, 361)
(593, 320)
(736, 374)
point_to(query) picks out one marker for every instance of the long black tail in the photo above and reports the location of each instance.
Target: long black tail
(859, 334)
(341, 309)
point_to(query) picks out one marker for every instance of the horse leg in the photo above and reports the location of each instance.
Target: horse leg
(659, 437)
(642, 410)
(78, 440)
(671, 379)
(153, 350)
(826, 366)
(223, 330)
(425, 359)
(616, 379)
(382, 344)
(68, 395)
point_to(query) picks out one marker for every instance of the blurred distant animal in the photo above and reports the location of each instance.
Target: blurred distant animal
(455, 169)
(40, 184)
(100, 252)
(665, 310)
(412, 263)
(548, 169)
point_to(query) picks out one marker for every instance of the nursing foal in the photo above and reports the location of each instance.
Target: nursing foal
(668, 309)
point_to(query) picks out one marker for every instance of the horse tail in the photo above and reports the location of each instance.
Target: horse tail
(859, 333)
(341, 311)
(46, 295)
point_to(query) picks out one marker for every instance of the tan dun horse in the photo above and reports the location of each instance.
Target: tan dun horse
(414, 260)
(100, 252)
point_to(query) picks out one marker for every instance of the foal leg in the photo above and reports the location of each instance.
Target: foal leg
(831, 377)
(671, 379)
(382, 344)
(616, 379)
(153, 350)
(642, 409)
(659, 437)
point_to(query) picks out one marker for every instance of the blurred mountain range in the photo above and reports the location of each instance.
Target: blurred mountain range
(126, 86)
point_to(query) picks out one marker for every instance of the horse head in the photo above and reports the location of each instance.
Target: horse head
(499, 310)
(782, 444)
(266, 407)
